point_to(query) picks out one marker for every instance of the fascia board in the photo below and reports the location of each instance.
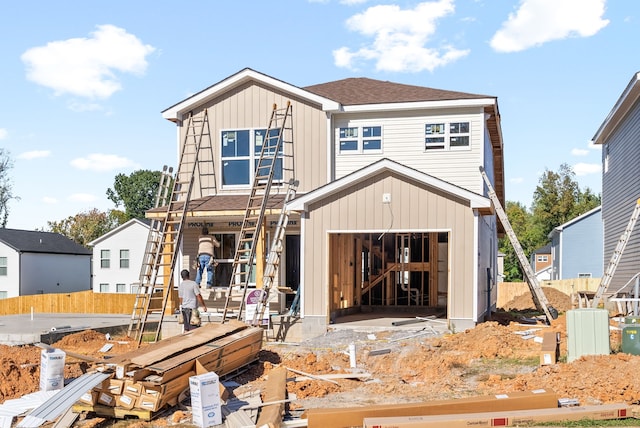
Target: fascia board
(175, 112)
(619, 110)
(301, 204)
(479, 102)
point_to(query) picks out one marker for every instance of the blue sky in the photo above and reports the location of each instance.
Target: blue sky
(84, 83)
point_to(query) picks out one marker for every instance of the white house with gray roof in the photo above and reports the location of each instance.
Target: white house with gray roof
(33, 262)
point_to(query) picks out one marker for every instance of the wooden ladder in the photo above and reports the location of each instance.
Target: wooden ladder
(539, 298)
(276, 151)
(165, 236)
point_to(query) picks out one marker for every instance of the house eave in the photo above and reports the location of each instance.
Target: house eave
(624, 104)
(177, 111)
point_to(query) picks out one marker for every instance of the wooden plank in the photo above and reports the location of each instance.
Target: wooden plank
(275, 392)
(178, 344)
(114, 412)
(233, 362)
(220, 346)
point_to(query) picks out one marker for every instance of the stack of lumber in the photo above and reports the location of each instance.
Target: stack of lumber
(154, 376)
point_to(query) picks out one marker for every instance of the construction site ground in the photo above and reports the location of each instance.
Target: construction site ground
(397, 366)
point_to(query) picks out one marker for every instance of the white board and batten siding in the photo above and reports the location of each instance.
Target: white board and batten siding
(403, 140)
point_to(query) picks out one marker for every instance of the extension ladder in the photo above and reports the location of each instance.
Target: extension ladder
(539, 298)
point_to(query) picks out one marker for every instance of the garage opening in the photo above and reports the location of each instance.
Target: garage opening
(392, 270)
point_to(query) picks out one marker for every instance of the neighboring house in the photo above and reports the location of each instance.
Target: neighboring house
(33, 262)
(576, 247)
(391, 210)
(117, 257)
(540, 261)
(618, 136)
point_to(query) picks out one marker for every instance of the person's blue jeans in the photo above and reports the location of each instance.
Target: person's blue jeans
(204, 262)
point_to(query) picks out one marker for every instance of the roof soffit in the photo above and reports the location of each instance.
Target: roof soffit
(623, 105)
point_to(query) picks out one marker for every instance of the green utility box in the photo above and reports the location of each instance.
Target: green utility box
(631, 339)
(587, 333)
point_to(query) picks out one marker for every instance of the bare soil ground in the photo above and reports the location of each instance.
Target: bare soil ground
(409, 366)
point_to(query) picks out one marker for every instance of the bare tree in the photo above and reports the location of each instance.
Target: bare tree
(6, 187)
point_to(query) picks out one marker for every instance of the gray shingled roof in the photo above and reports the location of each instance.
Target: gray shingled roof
(361, 90)
(29, 241)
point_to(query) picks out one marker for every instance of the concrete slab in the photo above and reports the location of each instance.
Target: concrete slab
(48, 328)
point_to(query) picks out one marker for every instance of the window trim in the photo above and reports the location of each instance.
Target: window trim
(4, 266)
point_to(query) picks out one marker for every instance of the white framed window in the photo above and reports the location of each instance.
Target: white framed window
(3, 294)
(543, 258)
(362, 139)
(121, 288)
(124, 259)
(105, 256)
(3, 266)
(584, 275)
(447, 136)
(104, 288)
(240, 153)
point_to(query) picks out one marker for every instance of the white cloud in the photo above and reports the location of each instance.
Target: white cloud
(540, 21)
(516, 180)
(82, 197)
(49, 200)
(35, 154)
(3, 133)
(101, 163)
(587, 168)
(579, 152)
(400, 38)
(86, 67)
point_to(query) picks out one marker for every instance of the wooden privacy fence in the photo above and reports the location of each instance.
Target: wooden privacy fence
(507, 291)
(81, 302)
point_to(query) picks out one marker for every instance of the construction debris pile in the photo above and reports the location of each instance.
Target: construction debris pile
(393, 368)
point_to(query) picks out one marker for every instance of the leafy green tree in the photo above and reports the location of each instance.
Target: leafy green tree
(6, 187)
(85, 227)
(558, 199)
(136, 192)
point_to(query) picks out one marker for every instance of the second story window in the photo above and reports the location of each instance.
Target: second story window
(241, 151)
(124, 258)
(3, 266)
(447, 136)
(360, 139)
(104, 259)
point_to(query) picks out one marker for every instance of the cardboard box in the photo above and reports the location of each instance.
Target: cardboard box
(148, 402)
(113, 386)
(132, 388)
(206, 407)
(90, 397)
(550, 348)
(126, 401)
(106, 399)
(354, 416)
(52, 369)
(506, 418)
